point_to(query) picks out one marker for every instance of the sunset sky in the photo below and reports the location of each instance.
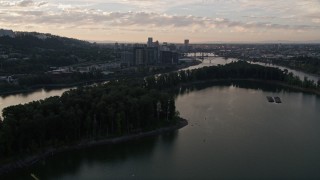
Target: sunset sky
(167, 20)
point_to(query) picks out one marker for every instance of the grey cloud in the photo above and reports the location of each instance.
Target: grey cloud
(25, 3)
(86, 17)
(22, 3)
(42, 3)
(261, 17)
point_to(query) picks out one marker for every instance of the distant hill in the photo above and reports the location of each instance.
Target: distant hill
(33, 52)
(261, 42)
(39, 40)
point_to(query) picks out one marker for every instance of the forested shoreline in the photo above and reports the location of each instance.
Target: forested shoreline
(104, 111)
(305, 64)
(118, 108)
(29, 83)
(32, 159)
(235, 70)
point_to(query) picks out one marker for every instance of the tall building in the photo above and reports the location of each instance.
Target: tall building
(150, 42)
(186, 45)
(127, 59)
(172, 47)
(139, 55)
(186, 42)
(169, 57)
(151, 55)
(165, 47)
(156, 44)
(117, 52)
(116, 46)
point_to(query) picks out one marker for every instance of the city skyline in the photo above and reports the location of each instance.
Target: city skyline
(167, 20)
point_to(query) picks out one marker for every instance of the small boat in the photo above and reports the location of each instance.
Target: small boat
(270, 99)
(277, 100)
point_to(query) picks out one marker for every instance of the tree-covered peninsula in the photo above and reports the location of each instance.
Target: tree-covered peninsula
(117, 108)
(102, 111)
(240, 70)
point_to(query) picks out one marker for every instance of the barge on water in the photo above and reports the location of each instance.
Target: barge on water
(274, 99)
(270, 99)
(277, 100)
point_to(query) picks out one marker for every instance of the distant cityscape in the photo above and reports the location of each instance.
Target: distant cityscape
(126, 56)
(151, 53)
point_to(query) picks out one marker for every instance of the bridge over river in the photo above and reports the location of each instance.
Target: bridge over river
(198, 55)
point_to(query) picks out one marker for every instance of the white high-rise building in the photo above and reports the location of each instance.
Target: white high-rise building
(150, 42)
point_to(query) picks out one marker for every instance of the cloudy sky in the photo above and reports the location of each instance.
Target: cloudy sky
(167, 20)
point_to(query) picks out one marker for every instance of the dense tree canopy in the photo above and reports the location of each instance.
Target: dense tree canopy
(235, 70)
(85, 113)
(306, 64)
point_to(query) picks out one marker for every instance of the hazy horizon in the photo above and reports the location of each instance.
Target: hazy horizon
(201, 21)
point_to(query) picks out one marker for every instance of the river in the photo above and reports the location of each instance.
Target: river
(23, 98)
(233, 132)
(300, 74)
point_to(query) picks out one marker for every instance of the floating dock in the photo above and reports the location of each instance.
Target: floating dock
(274, 99)
(270, 99)
(277, 100)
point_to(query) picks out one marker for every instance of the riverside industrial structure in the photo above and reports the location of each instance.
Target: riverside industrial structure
(151, 53)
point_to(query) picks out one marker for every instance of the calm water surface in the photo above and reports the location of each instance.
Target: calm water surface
(233, 132)
(23, 98)
(212, 61)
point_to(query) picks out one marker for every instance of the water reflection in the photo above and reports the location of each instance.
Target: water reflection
(212, 61)
(110, 157)
(248, 138)
(233, 133)
(255, 85)
(300, 74)
(22, 98)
